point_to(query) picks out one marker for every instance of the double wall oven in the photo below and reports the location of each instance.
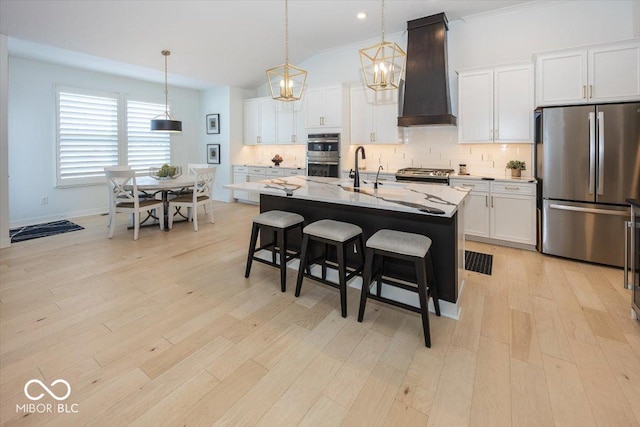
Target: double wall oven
(323, 154)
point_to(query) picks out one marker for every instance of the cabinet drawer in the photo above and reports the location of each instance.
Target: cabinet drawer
(254, 170)
(295, 172)
(240, 169)
(515, 188)
(472, 184)
(274, 172)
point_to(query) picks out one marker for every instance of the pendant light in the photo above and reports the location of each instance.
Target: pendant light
(286, 81)
(383, 64)
(165, 122)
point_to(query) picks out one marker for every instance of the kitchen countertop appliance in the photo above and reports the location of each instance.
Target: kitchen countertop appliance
(587, 163)
(323, 155)
(426, 175)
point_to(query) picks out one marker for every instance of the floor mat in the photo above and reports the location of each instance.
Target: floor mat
(478, 262)
(29, 232)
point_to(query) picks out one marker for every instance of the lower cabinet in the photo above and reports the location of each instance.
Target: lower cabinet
(500, 210)
(258, 173)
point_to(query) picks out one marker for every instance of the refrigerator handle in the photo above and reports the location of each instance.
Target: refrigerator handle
(627, 253)
(600, 153)
(592, 151)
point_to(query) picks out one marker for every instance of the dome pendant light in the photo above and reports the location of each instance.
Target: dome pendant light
(383, 64)
(165, 122)
(286, 81)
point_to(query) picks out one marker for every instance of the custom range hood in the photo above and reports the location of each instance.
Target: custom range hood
(425, 97)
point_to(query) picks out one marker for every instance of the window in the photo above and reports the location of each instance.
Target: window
(87, 137)
(145, 148)
(90, 136)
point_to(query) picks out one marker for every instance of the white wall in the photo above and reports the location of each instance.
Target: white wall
(32, 140)
(4, 144)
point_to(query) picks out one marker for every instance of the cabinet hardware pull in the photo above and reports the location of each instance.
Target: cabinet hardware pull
(590, 91)
(490, 133)
(584, 91)
(486, 201)
(506, 187)
(374, 137)
(496, 134)
(491, 201)
(468, 185)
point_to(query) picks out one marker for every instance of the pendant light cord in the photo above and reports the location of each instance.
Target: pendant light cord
(286, 31)
(382, 21)
(166, 88)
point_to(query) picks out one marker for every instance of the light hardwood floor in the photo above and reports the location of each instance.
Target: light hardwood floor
(167, 331)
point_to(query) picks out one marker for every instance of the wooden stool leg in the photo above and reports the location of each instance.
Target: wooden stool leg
(421, 274)
(342, 276)
(324, 261)
(431, 281)
(366, 281)
(273, 248)
(303, 262)
(252, 248)
(379, 277)
(282, 245)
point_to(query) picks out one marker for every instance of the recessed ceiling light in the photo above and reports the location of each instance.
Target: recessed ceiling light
(361, 15)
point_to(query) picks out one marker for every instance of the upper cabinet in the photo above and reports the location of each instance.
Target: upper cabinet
(259, 121)
(324, 107)
(290, 129)
(374, 116)
(495, 105)
(603, 73)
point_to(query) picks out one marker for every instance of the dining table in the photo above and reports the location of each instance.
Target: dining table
(166, 187)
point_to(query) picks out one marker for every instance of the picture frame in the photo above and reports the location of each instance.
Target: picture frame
(213, 123)
(213, 154)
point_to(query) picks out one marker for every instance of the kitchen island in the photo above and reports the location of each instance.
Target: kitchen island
(431, 210)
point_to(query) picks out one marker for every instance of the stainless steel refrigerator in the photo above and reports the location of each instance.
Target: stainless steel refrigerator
(587, 164)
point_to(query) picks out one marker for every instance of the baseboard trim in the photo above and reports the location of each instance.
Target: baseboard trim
(498, 242)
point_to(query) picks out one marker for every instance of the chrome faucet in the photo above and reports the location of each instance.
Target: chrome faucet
(356, 176)
(375, 185)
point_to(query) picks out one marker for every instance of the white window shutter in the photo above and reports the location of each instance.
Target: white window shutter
(87, 136)
(145, 148)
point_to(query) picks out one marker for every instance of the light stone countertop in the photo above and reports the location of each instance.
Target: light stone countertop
(501, 178)
(422, 199)
(270, 166)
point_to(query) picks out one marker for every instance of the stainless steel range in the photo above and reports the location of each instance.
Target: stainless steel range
(427, 175)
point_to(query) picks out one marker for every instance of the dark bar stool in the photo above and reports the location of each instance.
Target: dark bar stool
(406, 246)
(279, 223)
(338, 234)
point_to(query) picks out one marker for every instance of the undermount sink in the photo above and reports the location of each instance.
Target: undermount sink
(368, 185)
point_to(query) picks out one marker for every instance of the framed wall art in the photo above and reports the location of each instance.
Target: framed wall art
(213, 154)
(213, 123)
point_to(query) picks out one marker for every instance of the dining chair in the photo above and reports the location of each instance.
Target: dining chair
(202, 195)
(123, 199)
(191, 167)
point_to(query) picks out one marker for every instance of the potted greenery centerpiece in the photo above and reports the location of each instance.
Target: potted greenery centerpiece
(516, 167)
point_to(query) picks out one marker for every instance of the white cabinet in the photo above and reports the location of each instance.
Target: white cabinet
(324, 107)
(242, 173)
(374, 116)
(500, 210)
(290, 123)
(259, 121)
(247, 174)
(602, 73)
(496, 105)
(476, 218)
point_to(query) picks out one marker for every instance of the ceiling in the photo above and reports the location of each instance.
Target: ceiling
(212, 43)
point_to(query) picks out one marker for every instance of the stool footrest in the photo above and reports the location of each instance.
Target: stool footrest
(393, 302)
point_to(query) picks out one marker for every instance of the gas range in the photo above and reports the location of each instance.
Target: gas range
(429, 175)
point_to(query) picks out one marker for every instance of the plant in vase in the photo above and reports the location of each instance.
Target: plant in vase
(516, 167)
(277, 159)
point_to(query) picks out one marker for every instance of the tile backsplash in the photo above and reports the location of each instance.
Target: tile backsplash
(434, 146)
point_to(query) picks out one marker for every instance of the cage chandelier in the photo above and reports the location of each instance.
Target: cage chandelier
(165, 122)
(383, 64)
(286, 81)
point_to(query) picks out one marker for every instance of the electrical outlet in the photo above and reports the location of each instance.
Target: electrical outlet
(44, 200)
